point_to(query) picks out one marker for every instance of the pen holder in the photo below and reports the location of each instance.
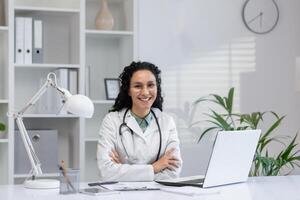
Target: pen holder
(69, 181)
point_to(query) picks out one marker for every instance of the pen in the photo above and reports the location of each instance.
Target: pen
(63, 169)
(102, 183)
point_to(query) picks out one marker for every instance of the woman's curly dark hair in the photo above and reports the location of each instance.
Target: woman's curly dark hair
(124, 100)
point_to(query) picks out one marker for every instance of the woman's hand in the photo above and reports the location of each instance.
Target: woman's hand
(115, 157)
(168, 160)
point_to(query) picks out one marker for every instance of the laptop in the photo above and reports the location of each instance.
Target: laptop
(229, 163)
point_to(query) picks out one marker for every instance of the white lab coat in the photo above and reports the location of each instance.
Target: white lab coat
(142, 147)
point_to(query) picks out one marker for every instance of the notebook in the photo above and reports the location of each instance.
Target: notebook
(229, 163)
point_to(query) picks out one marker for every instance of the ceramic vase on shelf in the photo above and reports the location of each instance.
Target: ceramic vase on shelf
(104, 19)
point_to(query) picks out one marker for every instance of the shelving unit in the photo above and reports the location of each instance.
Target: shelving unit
(103, 101)
(70, 41)
(4, 91)
(4, 141)
(106, 53)
(3, 28)
(46, 9)
(45, 66)
(61, 49)
(98, 33)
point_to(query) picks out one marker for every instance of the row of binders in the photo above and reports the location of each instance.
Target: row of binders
(51, 103)
(28, 40)
(68, 79)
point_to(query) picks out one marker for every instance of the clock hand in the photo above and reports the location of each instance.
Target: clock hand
(254, 18)
(261, 19)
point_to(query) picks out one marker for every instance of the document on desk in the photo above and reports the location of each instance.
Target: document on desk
(191, 191)
(133, 186)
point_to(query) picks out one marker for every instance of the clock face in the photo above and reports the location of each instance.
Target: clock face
(260, 16)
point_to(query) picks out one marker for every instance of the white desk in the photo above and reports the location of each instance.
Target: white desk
(259, 188)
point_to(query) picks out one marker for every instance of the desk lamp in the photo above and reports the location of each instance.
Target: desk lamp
(76, 104)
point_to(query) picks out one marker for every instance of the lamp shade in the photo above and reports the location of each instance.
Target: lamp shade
(79, 105)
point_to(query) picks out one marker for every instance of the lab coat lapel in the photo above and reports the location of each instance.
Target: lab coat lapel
(153, 126)
(132, 123)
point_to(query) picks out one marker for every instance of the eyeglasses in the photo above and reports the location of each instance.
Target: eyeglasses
(139, 86)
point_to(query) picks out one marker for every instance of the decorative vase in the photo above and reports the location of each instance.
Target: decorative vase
(104, 19)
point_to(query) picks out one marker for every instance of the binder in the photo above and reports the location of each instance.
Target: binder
(37, 54)
(73, 81)
(62, 81)
(28, 40)
(19, 40)
(87, 80)
(46, 148)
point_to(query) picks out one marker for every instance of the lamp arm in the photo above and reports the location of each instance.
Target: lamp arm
(38, 95)
(35, 163)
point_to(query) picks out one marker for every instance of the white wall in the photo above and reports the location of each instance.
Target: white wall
(202, 47)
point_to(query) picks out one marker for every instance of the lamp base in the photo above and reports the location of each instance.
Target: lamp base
(41, 184)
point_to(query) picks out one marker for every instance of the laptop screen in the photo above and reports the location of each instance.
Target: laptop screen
(232, 157)
(230, 160)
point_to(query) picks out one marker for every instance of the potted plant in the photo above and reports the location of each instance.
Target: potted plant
(264, 164)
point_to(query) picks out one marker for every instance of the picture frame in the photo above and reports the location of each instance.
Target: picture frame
(112, 88)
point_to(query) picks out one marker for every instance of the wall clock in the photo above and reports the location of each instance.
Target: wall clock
(260, 16)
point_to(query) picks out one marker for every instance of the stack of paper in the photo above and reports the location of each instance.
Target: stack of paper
(133, 186)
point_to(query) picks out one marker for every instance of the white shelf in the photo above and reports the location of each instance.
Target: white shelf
(3, 141)
(99, 33)
(43, 175)
(49, 116)
(103, 101)
(3, 100)
(46, 9)
(3, 28)
(91, 139)
(36, 65)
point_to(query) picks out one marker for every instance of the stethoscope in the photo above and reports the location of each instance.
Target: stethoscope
(131, 131)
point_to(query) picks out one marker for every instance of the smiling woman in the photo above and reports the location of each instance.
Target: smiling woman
(138, 142)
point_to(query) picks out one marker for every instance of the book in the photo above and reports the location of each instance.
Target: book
(73, 81)
(62, 82)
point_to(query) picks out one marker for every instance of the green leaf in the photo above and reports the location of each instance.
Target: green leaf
(222, 122)
(289, 148)
(2, 127)
(201, 100)
(219, 100)
(205, 132)
(275, 114)
(274, 126)
(229, 100)
(264, 144)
